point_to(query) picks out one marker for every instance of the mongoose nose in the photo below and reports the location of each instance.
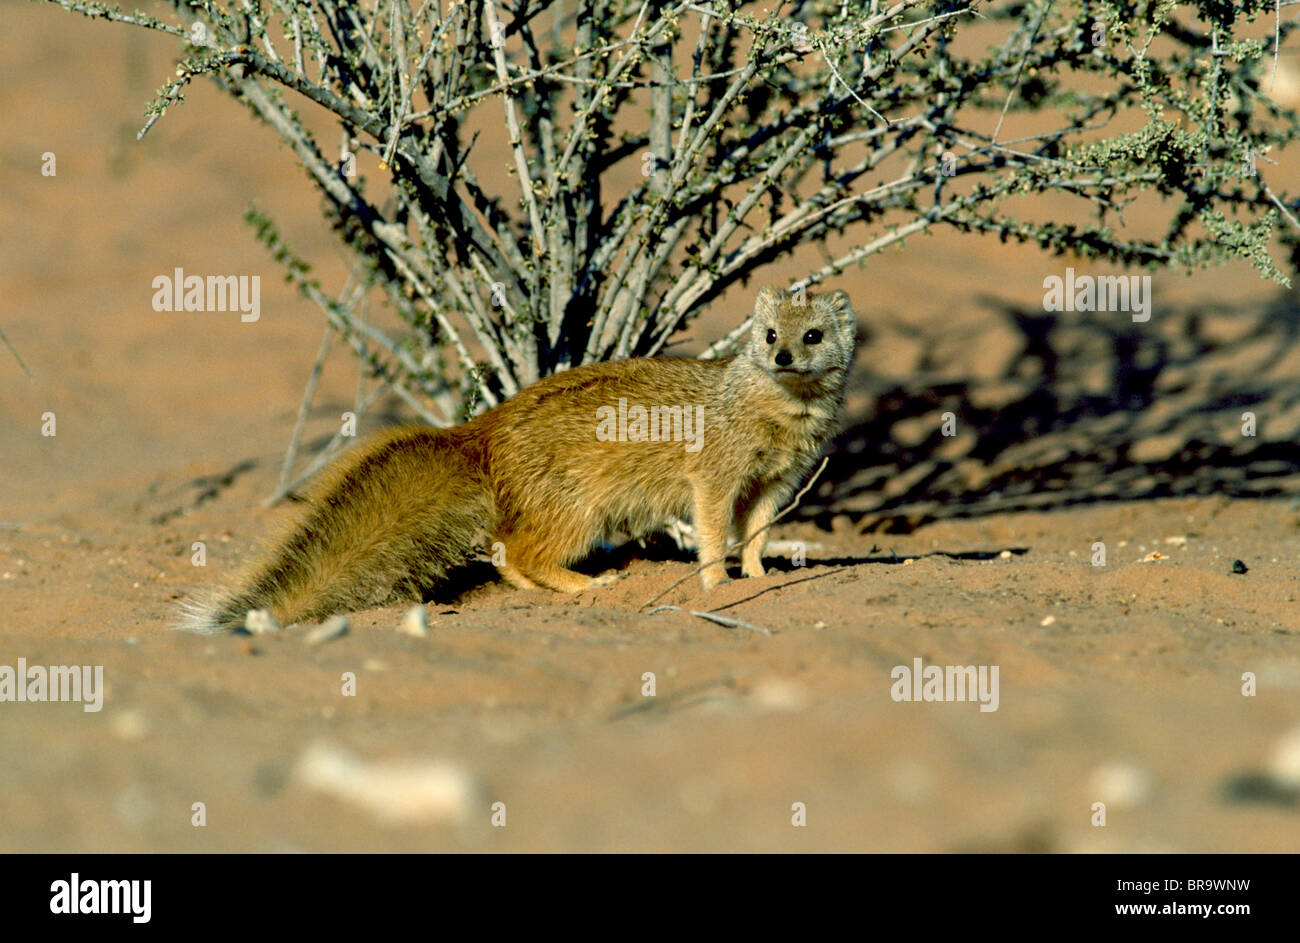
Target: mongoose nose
(784, 358)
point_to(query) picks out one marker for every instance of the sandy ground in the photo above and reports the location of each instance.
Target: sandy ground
(1119, 684)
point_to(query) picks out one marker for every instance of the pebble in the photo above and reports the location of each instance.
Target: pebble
(333, 627)
(781, 694)
(1285, 763)
(260, 622)
(1239, 567)
(1121, 784)
(129, 725)
(415, 622)
(399, 792)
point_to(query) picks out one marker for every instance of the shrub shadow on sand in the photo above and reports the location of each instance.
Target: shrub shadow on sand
(1074, 407)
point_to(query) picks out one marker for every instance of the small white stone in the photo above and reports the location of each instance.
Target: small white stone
(1120, 784)
(129, 725)
(1048, 620)
(398, 792)
(260, 622)
(1285, 763)
(415, 622)
(781, 694)
(333, 627)
(1004, 555)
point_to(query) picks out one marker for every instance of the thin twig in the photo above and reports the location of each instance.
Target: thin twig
(1021, 71)
(847, 87)
(512, 127)
(728, 621)
(1277, 40)
(326, 454)
(1282, 206)
(304, 407)
(13, 350)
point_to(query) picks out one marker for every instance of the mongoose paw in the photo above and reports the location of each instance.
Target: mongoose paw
(754, 571)
(605, 579)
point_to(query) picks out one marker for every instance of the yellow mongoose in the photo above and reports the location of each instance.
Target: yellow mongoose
(575, 458)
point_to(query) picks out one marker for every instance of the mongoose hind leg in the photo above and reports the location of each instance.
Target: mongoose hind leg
(530, 563)
(515, 578)
(562, 579)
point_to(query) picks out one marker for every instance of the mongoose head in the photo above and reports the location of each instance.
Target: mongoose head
(802, 339)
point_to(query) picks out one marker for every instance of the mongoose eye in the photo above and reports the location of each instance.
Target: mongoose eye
(771, 336)
(812, 337)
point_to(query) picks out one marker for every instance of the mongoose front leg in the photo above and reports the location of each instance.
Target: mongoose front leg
(751, 527)
(712, 520)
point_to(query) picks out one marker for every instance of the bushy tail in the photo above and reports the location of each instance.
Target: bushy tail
(385, 524)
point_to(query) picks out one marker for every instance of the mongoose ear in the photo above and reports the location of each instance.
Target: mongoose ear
(836, 304)
(768, 301)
